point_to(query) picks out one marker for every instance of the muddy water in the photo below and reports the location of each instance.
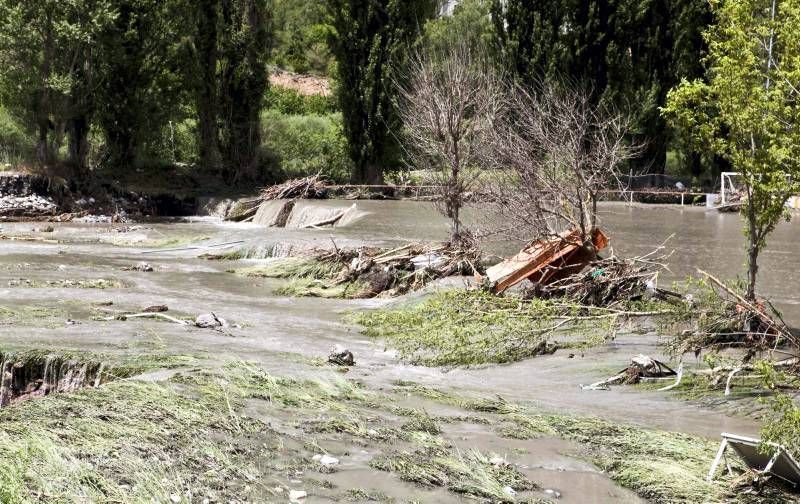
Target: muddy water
(284, 333)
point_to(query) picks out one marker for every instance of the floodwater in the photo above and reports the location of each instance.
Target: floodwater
(274, 327)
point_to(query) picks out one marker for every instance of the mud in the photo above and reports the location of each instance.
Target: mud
(289, 337)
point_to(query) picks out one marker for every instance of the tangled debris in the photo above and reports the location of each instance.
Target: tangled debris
(370, 272)
(641, 366)
(724, 319)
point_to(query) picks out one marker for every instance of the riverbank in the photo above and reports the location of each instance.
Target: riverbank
(288, 339)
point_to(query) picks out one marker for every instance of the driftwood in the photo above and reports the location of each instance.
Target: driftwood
(126, 316)
(641, 367)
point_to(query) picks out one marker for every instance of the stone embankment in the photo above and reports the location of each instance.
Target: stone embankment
(25, 195)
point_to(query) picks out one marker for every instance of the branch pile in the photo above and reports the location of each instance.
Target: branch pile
(725, 319)
(610, 282)
(403, 269)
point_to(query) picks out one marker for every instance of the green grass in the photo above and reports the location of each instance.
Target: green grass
(663, 467)
(306, 277)
(127, 441)
(32, 316)
(291, 268)
(470, 473)
(462, 328)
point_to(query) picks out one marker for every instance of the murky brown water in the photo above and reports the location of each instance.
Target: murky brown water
(275, 327)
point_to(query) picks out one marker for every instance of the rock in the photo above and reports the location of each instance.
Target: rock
(326, 460)
(156, 309)
(175, 498)
(210, 321)
(498, 461)
(297, 495)
(553, 493)
(341, 357)
(509, 491)
(142, 266)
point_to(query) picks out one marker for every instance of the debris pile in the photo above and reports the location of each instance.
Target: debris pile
(547, 260)
(608, 282)
(32, 205)
(403, 269)
(641, 367)
(725, 319)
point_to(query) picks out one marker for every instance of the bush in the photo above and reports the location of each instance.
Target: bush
(306, 144)
(289, 101)
(15, 145)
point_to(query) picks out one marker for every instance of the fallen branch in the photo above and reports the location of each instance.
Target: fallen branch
(125, 316)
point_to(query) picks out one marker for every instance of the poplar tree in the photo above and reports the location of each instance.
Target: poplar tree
(371, 40)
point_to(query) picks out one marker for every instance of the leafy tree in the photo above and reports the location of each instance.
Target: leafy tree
(301, 33)
(370, 40)
(529, 36)
(748, 111)
(49, 69)
(627, 53)
(229, 78)
(469, 23)
(245, 45)
(140, 89)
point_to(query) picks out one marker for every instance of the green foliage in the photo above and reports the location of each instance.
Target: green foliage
(306, 144)
(370, 40)
(741, 113)
(626, 52)
(470, 23)
(783, 424)
(15, 143)
(301, 34)
(290, 102)
(461, 328)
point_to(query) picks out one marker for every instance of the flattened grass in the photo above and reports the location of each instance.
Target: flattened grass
(663, 467)
(463, 328)
(126, 441)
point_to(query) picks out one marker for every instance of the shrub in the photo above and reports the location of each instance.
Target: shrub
(306, 144)
(15, 145)
(289, 101)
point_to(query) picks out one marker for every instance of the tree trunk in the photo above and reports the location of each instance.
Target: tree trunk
(78, 132)
(369, 174)
(752, 250)
(207, 96)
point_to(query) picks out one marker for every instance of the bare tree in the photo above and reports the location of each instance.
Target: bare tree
(448, 103)
(555, 152)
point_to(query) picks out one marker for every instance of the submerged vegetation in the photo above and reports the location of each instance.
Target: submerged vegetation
(663, 467)
(454, 328)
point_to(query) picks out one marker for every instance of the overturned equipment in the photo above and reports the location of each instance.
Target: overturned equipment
(546, 261)
(776, 461)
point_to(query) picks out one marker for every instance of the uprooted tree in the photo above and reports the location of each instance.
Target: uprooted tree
(748, 110)
(556, 151)
(449, 107)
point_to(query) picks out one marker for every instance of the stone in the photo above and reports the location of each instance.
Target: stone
(326, 460)
(297, 495)
(341, 356)
(210, 321)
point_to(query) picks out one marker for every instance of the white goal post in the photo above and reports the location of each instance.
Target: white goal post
(728, 186)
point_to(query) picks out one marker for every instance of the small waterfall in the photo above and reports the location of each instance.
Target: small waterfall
(33, 374)
(275, 213)
(310, 214)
